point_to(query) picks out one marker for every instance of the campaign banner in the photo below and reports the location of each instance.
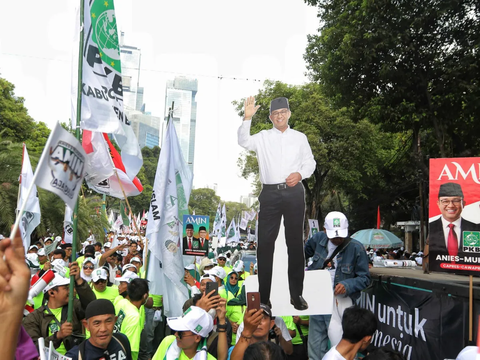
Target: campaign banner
(454, 215)
(195, 235)
(415, 322)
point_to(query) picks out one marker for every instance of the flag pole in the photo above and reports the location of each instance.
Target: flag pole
(77, 135)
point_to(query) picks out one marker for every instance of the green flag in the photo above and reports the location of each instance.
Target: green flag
(123, 212)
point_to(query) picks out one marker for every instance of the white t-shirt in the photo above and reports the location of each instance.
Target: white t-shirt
(280, 324)
(333, 354)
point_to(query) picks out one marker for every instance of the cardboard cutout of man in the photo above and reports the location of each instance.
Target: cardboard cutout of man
(446, 233)
(202, 238)
(189, 242)
(284, 159)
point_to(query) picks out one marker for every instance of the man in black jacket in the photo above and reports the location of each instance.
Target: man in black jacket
(103, 343)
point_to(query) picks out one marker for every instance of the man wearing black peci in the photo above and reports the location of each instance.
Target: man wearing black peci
(446, 233)
(284, 159)
(189, 242)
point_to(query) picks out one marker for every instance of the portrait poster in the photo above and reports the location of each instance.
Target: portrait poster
(195, 235)
(454, 215)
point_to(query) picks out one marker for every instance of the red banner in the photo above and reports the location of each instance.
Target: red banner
(454, 215)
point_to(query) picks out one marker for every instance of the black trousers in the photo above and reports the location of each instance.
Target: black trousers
(275, 202)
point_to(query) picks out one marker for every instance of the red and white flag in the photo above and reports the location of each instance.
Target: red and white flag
(102, 160)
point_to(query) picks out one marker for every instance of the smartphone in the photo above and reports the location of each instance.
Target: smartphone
(253, 300)
(212, 286)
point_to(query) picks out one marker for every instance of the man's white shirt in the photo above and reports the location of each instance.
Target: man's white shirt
(333, 354)
(446, 229)
(279, 153)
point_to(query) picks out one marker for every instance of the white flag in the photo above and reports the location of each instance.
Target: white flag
(31, 216)
(251, 215)
(62, 166)
(171, 191)
(232, 235)
(111, 219)
(243, 222)
(217, 223)
(68, 225)
(102, 92)
(131, 153)
(118, 223)
(223, 226)
(314, 228)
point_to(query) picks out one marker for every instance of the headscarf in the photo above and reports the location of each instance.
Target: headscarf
(229, 287)
(82, 273)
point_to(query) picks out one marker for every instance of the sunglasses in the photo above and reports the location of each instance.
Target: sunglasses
(100, 281)
(181, 334)
(222, 259)
(89, 267)
(233, 278)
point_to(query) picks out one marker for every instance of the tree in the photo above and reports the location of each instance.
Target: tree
(204, 202)
(15, 123)
(408, 66)
(234, 210)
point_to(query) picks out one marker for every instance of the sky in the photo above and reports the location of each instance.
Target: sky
(230, 47)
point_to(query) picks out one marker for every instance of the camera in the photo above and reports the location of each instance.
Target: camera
(271, 333)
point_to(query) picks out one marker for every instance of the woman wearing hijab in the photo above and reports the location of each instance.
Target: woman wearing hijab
(234, 312)
(87, 269)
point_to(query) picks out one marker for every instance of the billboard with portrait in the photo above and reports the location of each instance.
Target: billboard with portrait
(195, 235)
(454, 215)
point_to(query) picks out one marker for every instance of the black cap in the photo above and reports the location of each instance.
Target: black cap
(450, 189)
(266, 310)
(279, 103)
(189, 226)
(202, 228)
(99, 307)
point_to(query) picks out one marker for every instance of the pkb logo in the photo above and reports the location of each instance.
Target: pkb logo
(471, 241)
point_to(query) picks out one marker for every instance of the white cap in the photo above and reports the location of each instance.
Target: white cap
(90, 259)
(128, 266)
(107, 244)
(58, 238)
(190, 267)
(222, 255)
(239, 266)
(98, 274)
(41, 252)
(208, 276)
(336, 225)
(33, 246)
(135, 258)
(218, 272)
(127, 277)
(57, 281)
(468, 353)
(32, 261)
(195, 320)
